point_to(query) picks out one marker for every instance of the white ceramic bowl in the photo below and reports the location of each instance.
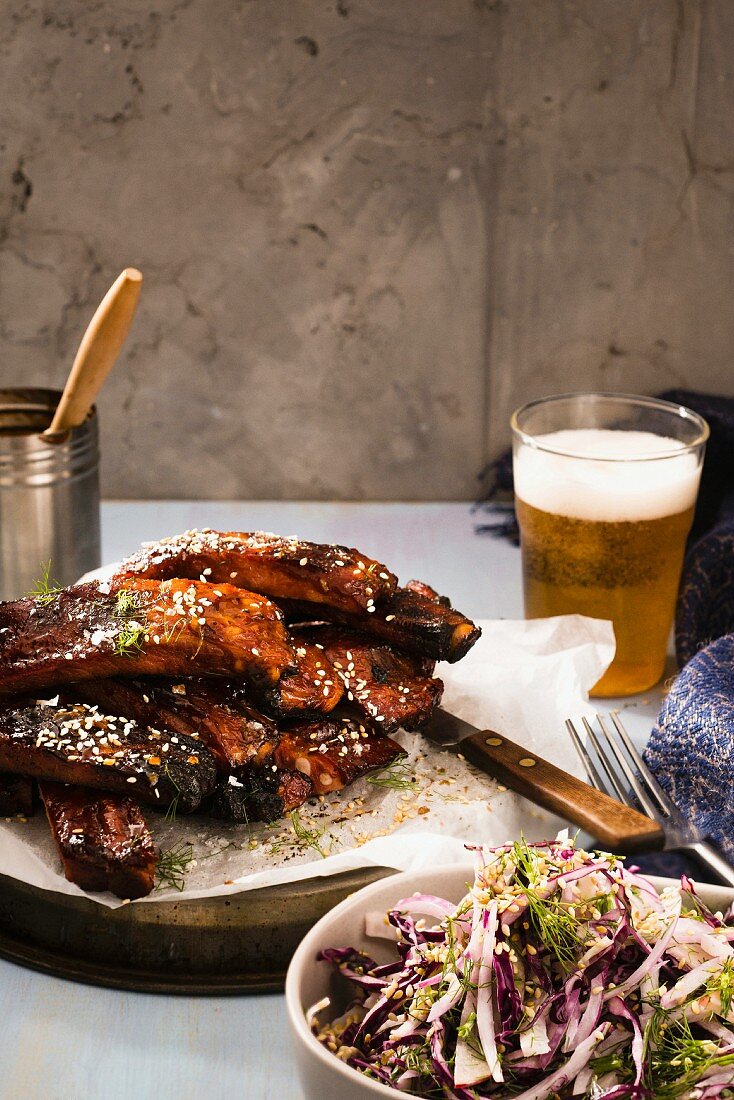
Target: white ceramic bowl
(324, 1077)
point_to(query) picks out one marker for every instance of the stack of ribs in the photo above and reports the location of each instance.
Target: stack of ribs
(232, 674)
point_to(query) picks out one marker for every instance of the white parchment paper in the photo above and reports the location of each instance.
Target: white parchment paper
(521, 678)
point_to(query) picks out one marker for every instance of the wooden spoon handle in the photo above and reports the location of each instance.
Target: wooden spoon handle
(97, 352)
(615, 827)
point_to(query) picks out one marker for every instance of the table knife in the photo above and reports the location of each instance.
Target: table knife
(615, 827)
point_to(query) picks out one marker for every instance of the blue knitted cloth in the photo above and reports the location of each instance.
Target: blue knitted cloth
(691, 749)
(706, 601)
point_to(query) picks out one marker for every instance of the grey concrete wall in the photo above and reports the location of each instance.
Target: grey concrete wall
(368, 228)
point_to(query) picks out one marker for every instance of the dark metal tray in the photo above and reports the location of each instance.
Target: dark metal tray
(223, 945)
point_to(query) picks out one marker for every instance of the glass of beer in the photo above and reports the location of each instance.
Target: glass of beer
(605, 488)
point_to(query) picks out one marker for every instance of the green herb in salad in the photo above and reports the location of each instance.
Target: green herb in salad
(678, 1060)
(560, 974)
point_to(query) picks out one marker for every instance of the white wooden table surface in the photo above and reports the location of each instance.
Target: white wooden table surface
(61, 1041)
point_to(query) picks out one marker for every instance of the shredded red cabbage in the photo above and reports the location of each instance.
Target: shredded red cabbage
(560, 974)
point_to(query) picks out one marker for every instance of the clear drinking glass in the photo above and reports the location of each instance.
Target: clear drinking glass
(605, 488)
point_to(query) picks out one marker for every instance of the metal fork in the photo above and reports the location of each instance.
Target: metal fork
(680, 834)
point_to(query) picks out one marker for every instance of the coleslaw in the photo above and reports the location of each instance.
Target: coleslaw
(561, 973)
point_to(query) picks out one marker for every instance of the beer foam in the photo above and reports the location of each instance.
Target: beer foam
(636, 486)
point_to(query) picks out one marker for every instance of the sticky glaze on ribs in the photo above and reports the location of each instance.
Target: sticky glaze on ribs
(312, 758)
(315, 582)
(311, 687)
(411, 620)
(217, 711)
(182, 685)
(242, 741)
(264, 793)
(141, 627)
(72, 742)
(102, 839)
(335, 576)
(389, 687)
(335, 751)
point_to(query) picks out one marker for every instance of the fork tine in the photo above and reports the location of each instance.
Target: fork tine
(592, 773)
(619, 791)
(640, 793)
(665, 803)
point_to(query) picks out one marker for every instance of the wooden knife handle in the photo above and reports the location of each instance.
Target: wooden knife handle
(617, 828)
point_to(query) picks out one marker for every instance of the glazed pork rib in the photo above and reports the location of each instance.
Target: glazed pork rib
(335, 751)
(240, 738)
(266, 793)
(335, 576)
(412, 620)
(216, 710)
(140, 627)
(387, 686)
(312, 758)
(311, 687)
(102, 839)
(69, 742)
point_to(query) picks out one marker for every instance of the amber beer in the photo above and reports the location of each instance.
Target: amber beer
(604, 514)
(624, 571)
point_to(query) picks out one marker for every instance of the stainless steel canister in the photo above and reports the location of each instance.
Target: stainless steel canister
(49, 494)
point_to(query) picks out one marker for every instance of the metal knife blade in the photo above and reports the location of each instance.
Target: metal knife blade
(447, 730)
